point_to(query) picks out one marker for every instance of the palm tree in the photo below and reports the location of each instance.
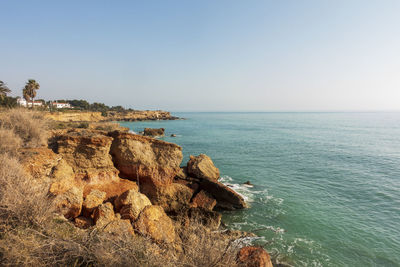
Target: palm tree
(4, 90)
(29, 91)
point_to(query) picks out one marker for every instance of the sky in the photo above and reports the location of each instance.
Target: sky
(216, 55)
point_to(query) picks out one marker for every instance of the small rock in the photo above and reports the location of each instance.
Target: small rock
(70, 203)
(248, 183)
(202, 167)
(173, 135)
(153, 132)
(92, 201)
(254, 257)
(204, 200)
(104, 214)
(119, 227)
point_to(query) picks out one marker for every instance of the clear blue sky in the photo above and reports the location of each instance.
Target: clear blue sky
(206, 55)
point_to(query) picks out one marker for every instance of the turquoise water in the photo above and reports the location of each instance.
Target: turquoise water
(326, 185)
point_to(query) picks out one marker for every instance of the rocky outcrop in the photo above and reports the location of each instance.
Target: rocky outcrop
(153, 132)
(254, 257)
(87, 152)
(152, 163)
(139, 115)
(202, 167)
(154, 223)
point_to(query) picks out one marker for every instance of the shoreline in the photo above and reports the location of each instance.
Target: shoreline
(104, 178)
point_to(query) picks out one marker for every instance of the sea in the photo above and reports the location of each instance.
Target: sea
(326, 186)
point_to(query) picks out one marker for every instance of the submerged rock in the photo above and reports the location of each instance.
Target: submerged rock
(202, 167)
(153, 132)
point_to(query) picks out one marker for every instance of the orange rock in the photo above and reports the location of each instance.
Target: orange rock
(254, 257)
(104, 214)
(173, 197)
(119, 227)
(70, 203)
(62, 178)
(204, 200)
(202, 167)
(146, 160)
(94, 199)
(130, 204)
(154, 223)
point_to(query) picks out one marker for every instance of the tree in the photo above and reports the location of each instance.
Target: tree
(29, 91)
(4, 90)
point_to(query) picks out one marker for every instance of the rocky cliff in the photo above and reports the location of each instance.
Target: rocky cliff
(119, 182)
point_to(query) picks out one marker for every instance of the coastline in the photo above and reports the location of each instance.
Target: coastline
(104, 178)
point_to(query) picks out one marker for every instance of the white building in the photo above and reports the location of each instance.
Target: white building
(61, 105)
(24, 103)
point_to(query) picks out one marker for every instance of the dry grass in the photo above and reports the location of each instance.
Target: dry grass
(9, 142)
(203, 247)
(28, 125)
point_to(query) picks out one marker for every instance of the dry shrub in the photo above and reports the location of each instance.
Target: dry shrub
(9, 142)
(23, 201)
(29, 125)
(203, 247)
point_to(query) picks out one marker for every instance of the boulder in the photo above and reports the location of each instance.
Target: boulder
(154, 223)
(226, 197)
(70, 203)
(152, 163)
(153, 132)
(251, 256)
(204, 200)
(119, 227)
(202, 167)
(172, 198)
(104, 214)
(94, 199)
(130, 204)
